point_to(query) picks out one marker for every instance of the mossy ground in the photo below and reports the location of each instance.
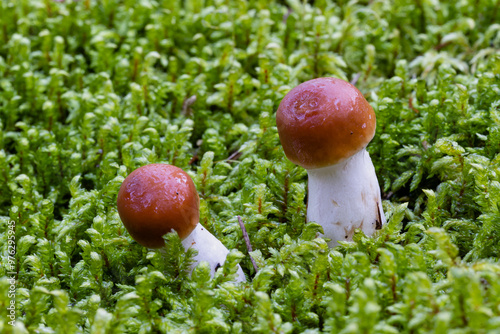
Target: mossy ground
(90, 90)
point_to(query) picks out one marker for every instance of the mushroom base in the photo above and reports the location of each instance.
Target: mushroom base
(210, 249)
(344, 197)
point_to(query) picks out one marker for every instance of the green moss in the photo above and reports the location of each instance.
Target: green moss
(91, 90)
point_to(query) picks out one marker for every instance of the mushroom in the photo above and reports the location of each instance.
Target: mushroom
(158, 198)
(324, 125)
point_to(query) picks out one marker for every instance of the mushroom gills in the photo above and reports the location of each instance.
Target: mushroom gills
(344, 197)
(210, 249)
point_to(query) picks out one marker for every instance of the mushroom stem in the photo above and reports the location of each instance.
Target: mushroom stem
(344, 197)
(210, 249)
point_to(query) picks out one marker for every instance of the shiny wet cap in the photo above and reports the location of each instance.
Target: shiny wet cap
(324, 121)
(156, 198)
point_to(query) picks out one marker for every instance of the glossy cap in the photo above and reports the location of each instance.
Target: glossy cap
(156, 198)
(324, 121)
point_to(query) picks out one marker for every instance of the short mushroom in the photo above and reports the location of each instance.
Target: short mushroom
(158, 198)
(324, 125)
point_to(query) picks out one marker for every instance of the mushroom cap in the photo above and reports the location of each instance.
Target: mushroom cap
(324, 121)
(156, 198)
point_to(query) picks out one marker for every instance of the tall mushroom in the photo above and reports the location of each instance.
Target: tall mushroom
(158, 198)
(324, 126)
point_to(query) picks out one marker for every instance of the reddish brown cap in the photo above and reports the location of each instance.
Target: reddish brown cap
(156, 198)
(323, 121)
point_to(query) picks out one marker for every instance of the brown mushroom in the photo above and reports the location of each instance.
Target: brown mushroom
(158, 198)
(324, 126)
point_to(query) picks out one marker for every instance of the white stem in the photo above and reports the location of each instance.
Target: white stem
(344, 197)
(210, 249)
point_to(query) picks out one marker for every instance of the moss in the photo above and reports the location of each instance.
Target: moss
(91, 90)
